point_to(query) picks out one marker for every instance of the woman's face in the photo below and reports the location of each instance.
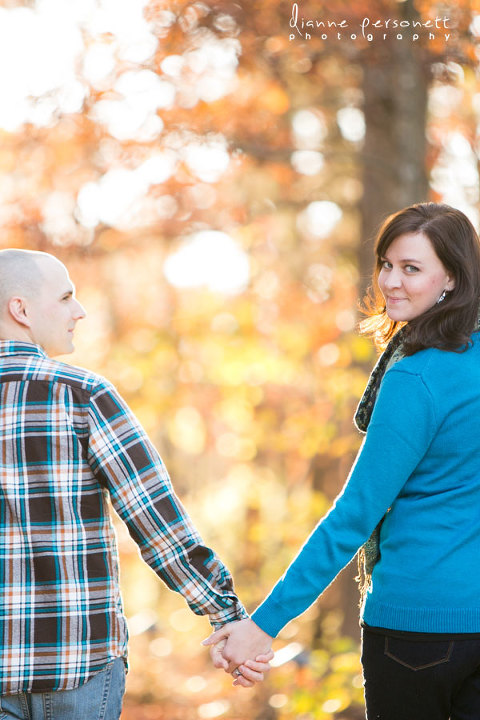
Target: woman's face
(412, 277)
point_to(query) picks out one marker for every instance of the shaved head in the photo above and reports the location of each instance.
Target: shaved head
(21, 274)
(37, 301)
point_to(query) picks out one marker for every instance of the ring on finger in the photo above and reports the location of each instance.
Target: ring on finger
(236, 673)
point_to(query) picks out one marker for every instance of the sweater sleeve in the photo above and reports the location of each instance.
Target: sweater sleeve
(401, 429)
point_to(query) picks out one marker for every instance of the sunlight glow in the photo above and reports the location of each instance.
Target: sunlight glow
(331, 706)
(134, 116)
(124, 19)
(455, 175)
(319, 219)
(58, 221)
(161, 647)
(214, 62)
(187, 431)
(41, 46)
(40, 57)
(286, 654)
(351, 122)
(116, 199)
(443, 99)
(328, 354)
(195, 684)
(278, 700)
(213, 709)
(207, 160)
(99, 64)
(307, 162)
(318, 280)
(475, 25)
(309, 129)
(173, 65)
(110, 199)
(209, 258)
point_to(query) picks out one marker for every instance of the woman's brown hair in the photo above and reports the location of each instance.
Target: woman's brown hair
(448, 324)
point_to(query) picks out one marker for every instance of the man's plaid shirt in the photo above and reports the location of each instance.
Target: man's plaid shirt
(68, 442)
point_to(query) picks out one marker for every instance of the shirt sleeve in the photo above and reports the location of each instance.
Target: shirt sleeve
(401, 429)
(126, 463)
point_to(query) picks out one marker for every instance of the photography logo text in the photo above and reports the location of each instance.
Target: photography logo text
(369, 29)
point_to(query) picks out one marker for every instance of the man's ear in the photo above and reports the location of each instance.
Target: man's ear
(17, 308)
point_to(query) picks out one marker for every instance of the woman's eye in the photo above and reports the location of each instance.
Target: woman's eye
(386, 264)
(411, 268)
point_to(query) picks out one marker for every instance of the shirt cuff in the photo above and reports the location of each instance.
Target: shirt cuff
(236, 611)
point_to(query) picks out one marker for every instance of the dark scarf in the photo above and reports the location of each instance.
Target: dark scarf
(369, 553)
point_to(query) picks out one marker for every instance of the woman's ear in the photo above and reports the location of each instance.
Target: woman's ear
(450, 284)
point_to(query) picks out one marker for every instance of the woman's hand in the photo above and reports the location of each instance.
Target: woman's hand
(242, 649)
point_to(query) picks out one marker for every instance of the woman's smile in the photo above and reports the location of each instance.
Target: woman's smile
(412, 277)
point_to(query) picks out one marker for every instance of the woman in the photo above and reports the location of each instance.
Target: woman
(414, 489)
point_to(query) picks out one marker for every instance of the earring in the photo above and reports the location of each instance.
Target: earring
(442, 297)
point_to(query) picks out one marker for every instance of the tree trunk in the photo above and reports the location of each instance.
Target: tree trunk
(395, 88)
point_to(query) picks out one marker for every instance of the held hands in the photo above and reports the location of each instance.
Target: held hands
(242, 649)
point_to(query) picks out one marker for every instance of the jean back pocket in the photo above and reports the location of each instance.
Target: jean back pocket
(418, 655)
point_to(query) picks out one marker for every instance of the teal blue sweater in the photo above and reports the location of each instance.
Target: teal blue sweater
(420, 461)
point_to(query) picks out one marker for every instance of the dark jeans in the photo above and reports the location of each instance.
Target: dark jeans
(407, 678)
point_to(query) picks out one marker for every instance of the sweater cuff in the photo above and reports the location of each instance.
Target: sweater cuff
(270, 618)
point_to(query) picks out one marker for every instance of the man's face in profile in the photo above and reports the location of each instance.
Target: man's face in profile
(54, 311)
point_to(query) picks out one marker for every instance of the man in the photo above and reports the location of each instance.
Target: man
(67, 443)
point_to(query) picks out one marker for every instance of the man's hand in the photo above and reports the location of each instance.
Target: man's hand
(216, 655)
(243, 649)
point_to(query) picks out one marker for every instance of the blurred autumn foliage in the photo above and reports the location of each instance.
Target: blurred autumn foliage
(212, 174)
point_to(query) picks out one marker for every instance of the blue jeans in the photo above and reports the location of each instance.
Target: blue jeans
(414, 678)
(98, 699)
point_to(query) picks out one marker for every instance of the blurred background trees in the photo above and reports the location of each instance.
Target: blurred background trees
(213, 174)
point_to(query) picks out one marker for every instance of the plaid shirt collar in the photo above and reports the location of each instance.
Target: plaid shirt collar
(19, 347)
